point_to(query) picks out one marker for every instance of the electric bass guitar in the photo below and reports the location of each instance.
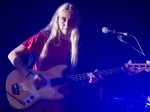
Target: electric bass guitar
(21, 93)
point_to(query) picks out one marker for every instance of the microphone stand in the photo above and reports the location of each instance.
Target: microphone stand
(141, 52)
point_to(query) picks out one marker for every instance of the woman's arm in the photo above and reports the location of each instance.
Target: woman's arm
(15, 58)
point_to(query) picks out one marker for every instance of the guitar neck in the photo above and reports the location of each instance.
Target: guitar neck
(83, 76)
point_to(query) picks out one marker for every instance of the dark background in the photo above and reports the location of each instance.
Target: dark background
(21, 19)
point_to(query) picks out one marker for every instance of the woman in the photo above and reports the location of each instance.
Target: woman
(56, 44)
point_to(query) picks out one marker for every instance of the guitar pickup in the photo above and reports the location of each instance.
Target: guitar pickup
(15, 89)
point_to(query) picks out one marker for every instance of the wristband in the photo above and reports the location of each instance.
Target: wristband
(28, 74)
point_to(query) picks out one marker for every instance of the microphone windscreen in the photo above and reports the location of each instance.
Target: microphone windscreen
(104, 29)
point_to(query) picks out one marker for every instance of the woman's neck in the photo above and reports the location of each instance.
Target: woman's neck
(65, 37)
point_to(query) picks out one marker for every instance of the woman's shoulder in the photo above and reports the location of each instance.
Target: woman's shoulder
(42, 35)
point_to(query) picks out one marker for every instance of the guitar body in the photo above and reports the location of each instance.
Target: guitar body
(21, 93)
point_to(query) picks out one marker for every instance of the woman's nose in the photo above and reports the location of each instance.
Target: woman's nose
(67, 24)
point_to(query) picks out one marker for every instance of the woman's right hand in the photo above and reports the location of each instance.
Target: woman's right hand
(37, 79)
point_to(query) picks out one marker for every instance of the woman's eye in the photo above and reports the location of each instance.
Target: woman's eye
(63, 19)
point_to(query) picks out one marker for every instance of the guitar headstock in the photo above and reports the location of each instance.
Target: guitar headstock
(134, 68)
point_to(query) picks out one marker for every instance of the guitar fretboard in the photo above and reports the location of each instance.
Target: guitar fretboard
(84, 76)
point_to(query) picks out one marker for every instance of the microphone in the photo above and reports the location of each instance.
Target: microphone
(106, 30)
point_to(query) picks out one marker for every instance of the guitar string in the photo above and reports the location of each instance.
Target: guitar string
(77, 77)
(26, 88)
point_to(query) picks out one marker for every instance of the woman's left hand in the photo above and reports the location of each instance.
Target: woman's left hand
(94, 78)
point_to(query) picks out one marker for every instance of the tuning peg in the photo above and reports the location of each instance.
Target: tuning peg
(148, 62)
(129, 62)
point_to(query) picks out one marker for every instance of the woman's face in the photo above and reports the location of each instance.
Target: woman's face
(67, 20)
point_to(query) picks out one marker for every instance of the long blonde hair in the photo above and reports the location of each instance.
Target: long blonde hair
(54, 30)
